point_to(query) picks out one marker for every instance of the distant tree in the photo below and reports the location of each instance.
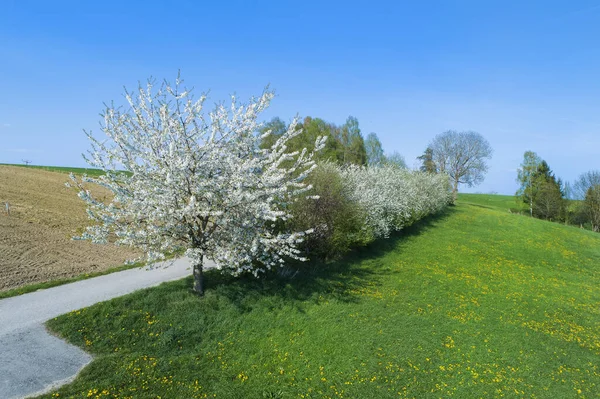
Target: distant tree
(526, 178)
(277, 128)
(540, 188)
(587, 189)
(344, 144)
(395, 159)
(592, 206)
(427, 164)
(545, 174)
(182, 179)
(462, 155)
(569, 205)
(568, 190)
(353, 143)
(549, 202)
(584, 182)
(309, 129)
(374, 150)
(317, 127)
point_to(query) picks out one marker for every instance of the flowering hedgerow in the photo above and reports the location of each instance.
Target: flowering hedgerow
(392, 197)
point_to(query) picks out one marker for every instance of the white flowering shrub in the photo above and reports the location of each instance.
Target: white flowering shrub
(337, 220)
(182, 178)
(393, 198)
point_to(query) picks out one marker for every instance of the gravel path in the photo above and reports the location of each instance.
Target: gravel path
(33, 361)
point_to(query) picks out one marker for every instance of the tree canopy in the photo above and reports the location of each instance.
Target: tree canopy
(526, 178)
(461, 155)
(395, 159)
(344, 145)
(540, 188)
(427, 163)
(374, 150)
(587, 188)
(185, 179)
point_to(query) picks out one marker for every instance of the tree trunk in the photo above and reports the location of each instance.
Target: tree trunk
(530, 196)
(455, 191)
(531, 206)
(198, 278)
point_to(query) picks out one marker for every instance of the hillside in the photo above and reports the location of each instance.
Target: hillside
(35, 240)
(494, 201)
(477, 302)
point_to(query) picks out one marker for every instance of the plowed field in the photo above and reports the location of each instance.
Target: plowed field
(35, 239)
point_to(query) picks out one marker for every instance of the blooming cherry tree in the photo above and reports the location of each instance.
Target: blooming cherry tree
(185, 178)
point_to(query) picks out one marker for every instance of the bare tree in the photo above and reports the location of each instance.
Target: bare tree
(585, 181)
(461, 155)
(587, 188)
(591, 205)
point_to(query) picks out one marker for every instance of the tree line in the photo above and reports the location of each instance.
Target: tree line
(460, 155)
(345, 143)
(548, 197)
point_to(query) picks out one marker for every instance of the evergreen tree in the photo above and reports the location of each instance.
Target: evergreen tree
(427, 164)
(540, 188)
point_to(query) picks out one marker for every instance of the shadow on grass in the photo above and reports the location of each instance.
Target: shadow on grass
(187, 321)
(339, 280)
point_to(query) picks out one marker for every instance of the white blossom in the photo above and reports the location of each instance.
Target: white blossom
(393, 197)
(185, 178)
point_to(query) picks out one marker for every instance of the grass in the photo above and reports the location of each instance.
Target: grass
(494, 201)
(512, 204)
(78, 171)
(474, 303)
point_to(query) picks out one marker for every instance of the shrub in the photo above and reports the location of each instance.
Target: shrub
(393, 198)
(337, 221)
(591, 204)
(355, 205)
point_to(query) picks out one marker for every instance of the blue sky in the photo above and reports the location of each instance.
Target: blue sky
(523, 74)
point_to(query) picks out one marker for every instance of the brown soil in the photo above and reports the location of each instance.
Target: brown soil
(35, 239)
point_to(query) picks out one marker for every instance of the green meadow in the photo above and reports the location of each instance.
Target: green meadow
(476, 302)
(62, 169)
(502, 202)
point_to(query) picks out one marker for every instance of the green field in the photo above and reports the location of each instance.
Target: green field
(62, 169)
(477, 302)
(502, 202)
